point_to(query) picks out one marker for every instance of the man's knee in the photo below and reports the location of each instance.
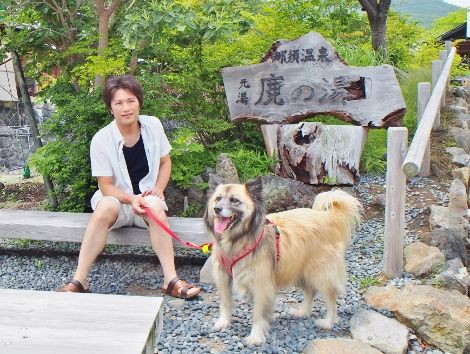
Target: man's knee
(107, 209)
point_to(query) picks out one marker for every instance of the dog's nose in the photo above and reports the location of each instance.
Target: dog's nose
(217, 210)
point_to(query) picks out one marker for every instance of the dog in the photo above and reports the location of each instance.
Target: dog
(258, 254)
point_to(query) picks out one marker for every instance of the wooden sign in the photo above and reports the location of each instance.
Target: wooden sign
(314, 153)
(305, 77)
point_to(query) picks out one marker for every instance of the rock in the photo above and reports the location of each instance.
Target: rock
(226, 170)
(284, 193)
(440, 317)
(461, 92)
(449, 241)
(421, 258)
(441, 217)
(458, 198)
(463, 174)
(462, 160)
(379, 200)
(339, 346)
(455, 276)
(386, 334)
(196, 195)
(457, 109)
(462, 138)
(174, 199)
(205, 274)
(455, 151)
(464, 119)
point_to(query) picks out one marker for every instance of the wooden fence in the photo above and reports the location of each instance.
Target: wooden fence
(403, 162)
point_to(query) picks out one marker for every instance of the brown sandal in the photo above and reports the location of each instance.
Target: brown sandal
(73, 286)
(179, 288)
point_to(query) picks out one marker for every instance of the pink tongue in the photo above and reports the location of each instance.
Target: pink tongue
(221, 224)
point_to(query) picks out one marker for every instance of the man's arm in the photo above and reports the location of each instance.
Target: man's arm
(107, 188)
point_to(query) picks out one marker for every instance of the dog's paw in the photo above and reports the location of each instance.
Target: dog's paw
(255, 339)
(324, 323)
(221, 323)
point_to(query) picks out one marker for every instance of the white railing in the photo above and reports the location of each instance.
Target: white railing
(405, 162)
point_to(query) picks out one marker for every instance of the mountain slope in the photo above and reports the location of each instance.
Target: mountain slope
(423, 11)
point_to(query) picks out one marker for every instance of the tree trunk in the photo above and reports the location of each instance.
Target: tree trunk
(104, 14)
(28, 108)
(378, 29)
(377, 12)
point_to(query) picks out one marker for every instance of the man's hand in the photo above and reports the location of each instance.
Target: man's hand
(156, 192)
(137, 204)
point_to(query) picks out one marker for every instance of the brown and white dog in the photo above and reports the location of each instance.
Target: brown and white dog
(258, 254)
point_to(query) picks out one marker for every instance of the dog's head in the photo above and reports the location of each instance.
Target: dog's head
(234, 210)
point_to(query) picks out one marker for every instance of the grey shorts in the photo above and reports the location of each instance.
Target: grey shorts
(127, 217)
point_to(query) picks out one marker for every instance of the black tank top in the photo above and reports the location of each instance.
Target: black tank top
(137, 164)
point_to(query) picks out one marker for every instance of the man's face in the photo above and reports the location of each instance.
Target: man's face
(125, 107)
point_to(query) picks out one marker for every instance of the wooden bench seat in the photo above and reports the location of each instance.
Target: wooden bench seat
(61, 226)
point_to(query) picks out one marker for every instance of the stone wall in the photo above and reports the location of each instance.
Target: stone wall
(14, 147)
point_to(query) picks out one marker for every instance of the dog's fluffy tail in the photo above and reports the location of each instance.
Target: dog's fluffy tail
(342, 203)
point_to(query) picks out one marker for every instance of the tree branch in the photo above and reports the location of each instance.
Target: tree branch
(370, 6)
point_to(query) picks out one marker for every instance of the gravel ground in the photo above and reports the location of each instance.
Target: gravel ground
(187, 326)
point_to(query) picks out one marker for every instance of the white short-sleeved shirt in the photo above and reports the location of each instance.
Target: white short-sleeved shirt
(107, 157)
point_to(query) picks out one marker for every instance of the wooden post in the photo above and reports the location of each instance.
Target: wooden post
(448, 45)
(443, 58)
(395, 202)
(436, 72)
(270, 138)
(424, 92)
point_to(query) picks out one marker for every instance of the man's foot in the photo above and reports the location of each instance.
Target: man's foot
(181, 289)
(73, 286)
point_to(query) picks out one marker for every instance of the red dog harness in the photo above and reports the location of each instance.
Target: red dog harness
(228, 263)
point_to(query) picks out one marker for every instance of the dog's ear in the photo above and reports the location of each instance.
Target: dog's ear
(255, 187)
(214, 181)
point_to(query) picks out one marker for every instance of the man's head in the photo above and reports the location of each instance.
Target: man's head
(126, 82)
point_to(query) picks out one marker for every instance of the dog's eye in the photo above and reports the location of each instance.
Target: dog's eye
(234, 200)
(218, 199)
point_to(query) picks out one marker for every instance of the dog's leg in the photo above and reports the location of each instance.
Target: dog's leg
(330, 295)
(306, 306)
(224, 284)
(264, 301)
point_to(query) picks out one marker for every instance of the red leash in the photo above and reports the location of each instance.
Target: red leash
(204, 247)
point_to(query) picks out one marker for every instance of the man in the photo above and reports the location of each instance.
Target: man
(130, 159)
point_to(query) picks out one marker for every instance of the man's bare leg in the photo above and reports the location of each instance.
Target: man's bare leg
(162, 244)
(95, 237)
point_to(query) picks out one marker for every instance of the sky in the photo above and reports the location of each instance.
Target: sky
(461, 3)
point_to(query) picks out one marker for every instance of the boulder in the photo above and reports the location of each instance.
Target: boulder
(226, 170)
(440, 317)
(386, 334)
(462, 160)
(463, 174)
(458, 197)
(462, 138)
(339, 346)
(174, 199)
(441, 217)
(196, 195)
(455, 276)
(449, 241)
(455, 151)
(421, 259)
(283, 193)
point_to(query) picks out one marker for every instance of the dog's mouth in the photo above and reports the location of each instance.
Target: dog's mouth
(222, 223)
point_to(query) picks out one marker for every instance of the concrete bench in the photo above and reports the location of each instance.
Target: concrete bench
(48, 322)
(69, 227)
(61, 226)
